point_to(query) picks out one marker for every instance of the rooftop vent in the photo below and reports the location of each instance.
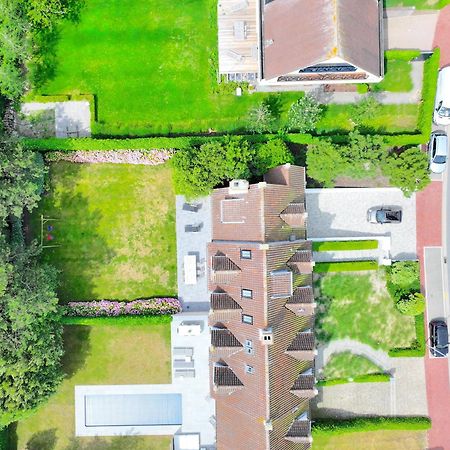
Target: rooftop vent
(238, 187)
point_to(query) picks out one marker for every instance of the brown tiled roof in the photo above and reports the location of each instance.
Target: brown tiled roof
(224, 376)
(221, 263)
(222, 337)
(304, 382)
(221, 301)
(302, 33)
(302, 294)
(301, 256)
(299, 428)
(303, 341)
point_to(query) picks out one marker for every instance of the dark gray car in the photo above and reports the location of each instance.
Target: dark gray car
(438, 338)
(384, 214)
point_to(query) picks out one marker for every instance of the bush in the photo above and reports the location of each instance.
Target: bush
(366, 109)
(260, 119)
(325, 427)
(332, 246)
(4, 439)
(368, 378)
(411, 305)
(108, 308)
(304, 114)
(347, 266)
(405, 275)
(362, 88)
(403, 55)
(417, 349)
(408, 170)
(271, 154)
(116, 321)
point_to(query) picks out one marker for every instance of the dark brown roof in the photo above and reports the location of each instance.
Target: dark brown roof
(304, 381)
(299, 428)
(221, 263)
(223, 338)
(302, 33)
(224, 376)
(301, 256)
(221, 301)
(304, 341)
(303, 294)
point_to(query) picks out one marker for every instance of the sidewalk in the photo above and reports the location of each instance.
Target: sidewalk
(442, 36)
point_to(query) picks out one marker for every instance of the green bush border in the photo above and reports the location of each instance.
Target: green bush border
(417, 349)
(116, 321)
(367, 378)
(345, 266)
(327, 427)
(4, 439)
(403, 55)
(325, 246)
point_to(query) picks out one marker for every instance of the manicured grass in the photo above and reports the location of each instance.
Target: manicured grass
(332, 246)
(359, 307)
(115, 227)
(100, 355)
(397, 77)
(348, 365)
(386, 440)
(347, 266)
(419, 4)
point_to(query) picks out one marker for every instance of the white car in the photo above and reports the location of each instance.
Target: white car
(438, 151)
(441, 115)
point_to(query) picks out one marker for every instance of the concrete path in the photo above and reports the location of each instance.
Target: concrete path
(434, 288)
(409, 29)
(405, 394)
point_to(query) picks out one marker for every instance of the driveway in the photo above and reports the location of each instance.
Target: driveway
(342, 212)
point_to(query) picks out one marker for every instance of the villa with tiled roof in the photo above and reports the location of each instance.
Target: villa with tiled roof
(261, 317)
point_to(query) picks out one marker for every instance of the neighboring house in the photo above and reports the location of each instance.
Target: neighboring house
(262, 313)
(284, 42)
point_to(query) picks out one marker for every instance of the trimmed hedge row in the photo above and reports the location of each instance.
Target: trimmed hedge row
(368, 378)
(330, 246)
(345, 266)
(404, 55)
(325, 427)
(116, 321)
(417, 349)
(4, 439)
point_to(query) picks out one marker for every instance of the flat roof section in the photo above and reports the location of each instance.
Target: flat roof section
(132, 410)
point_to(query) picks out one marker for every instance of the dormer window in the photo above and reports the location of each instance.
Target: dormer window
(246, 293)
(246, 254)
(247, 319)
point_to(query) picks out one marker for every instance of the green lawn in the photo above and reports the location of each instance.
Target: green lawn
(136, 354)
(115, 227)
(419, 4)
(152, 68)
(348, 365)
(375, 440)
(358, 306)
(397, 77)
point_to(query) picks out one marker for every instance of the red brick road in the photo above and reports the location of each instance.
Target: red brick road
(429, 233)
(442, 36)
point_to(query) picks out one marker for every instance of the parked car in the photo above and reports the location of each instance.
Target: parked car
(438, 151)
(438, 338)
(384, 214)
(441, 115)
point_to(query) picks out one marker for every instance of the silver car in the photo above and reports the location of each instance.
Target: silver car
(384, 214)
(438, 151)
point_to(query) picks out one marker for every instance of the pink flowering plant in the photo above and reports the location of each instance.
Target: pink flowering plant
(111, 308)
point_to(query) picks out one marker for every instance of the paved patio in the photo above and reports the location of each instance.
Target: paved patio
(342, 213)
(194, 297)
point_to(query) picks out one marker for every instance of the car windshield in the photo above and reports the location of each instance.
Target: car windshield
(381, 216)
(439, 159)
(444, 112)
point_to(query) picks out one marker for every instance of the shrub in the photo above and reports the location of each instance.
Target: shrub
(366, 109)
(260, 119)
(330, 246)
(271, 154)
(405, 275)
(412, 305)
(325, 427)
(347, 266)
(304, 114)
(116, 321)
(417, 349)
(408, 170)
(404, 55)
(3, 439)
(368, 378)
(108, 308)
(362, 88)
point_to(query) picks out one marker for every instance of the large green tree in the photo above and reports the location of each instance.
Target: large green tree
(31, 344)
(22, 174)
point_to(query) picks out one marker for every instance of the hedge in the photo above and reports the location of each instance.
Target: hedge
(326, 427)
(117, 321)
(345, 266)
(4, 439)
(329, 246)
(417, 349)
(404, 55)
(368, 378)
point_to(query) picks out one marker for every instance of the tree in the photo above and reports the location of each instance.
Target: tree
(304, 114)
(405, 275)
(238, 157)
(412, 305)
(365, 110)
(31, 344)
(21, 178)
(47, 13)
(261, 119)
(271, 154)
(324, 162)
(408, 170)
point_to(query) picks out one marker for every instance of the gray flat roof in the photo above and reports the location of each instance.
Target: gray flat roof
(133, 410)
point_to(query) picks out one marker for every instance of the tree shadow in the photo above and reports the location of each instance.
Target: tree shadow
(43, 440)
(97, 443)
(273, 101)
(77, 347)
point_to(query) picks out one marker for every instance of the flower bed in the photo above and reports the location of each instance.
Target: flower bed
(146, 157)
(110, 308)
